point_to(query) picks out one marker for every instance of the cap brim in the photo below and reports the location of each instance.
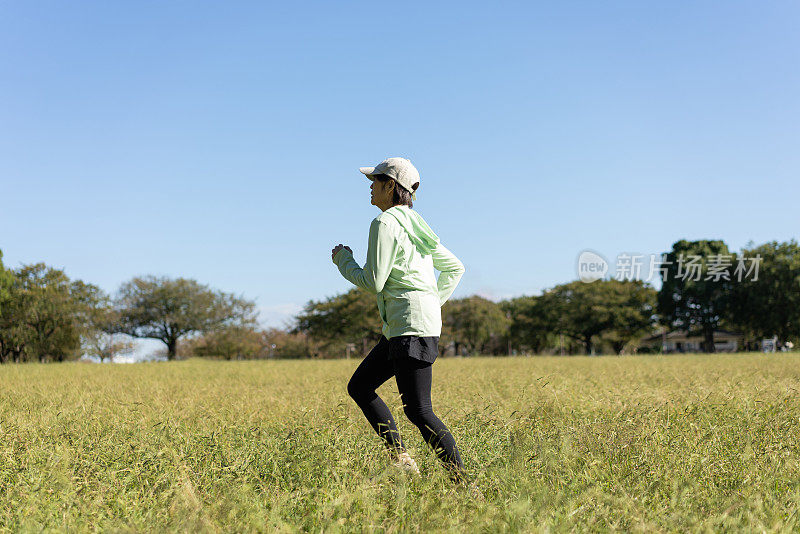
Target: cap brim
(368, 171)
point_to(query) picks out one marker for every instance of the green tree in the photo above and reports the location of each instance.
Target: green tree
(768, 305)
(633, 308)
(696, 287)
(351, 317)
(584, 311)
(472, 322)
(6, 281)
(530, 325)
(43, 315)
(49, 313)
(168, 309)
(6, 319)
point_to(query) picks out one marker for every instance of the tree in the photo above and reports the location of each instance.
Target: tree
(168, 309)
(42, 315)
(100, 322)
(6, 281)
(107, 346)
(472, 322)
(49, 314)
(530, 326)
(633, 307)
(230, 343)
(770, 305)
(696, 287)
(44, 325)
(6, 302)
(281, 343)
(351, 317)
(583, 311)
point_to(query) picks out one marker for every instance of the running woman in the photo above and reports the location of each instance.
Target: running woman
(401, 256)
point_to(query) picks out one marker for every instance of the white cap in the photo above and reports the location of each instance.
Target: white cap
(400, 169)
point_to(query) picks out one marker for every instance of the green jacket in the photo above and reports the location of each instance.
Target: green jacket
(401, 255)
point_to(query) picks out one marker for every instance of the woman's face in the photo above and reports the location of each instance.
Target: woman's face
(382, 193)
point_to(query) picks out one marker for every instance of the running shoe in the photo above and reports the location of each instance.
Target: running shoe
(406, 463)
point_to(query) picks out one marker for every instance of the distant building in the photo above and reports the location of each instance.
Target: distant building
(773, 344)
(679, 341)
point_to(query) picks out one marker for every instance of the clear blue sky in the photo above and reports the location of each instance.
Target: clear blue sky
(221, 141)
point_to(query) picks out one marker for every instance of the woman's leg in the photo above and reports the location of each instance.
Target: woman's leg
(414, 379)
(373, 371)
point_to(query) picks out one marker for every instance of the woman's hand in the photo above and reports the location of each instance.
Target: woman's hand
(337, 248)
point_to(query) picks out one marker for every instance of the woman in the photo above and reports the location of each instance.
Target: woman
(401, 255)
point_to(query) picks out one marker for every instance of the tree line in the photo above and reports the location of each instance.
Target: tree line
(46, 317)
(703, 290)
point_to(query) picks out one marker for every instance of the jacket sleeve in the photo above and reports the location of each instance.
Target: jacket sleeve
(381, 253)
(451, 271)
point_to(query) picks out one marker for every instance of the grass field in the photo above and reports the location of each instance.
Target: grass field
(666, 443)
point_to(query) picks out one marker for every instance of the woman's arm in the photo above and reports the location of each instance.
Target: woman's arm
(381, 252)
(451, 271)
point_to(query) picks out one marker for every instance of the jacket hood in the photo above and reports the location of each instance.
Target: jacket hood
(418, 230)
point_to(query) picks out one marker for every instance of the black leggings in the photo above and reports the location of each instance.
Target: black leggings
(414, 384)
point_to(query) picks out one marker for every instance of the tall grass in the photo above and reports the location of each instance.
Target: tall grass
(656, 443)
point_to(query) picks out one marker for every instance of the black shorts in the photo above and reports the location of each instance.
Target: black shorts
(425, 349)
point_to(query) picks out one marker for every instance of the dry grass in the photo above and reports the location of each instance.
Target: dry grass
(664, 443)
